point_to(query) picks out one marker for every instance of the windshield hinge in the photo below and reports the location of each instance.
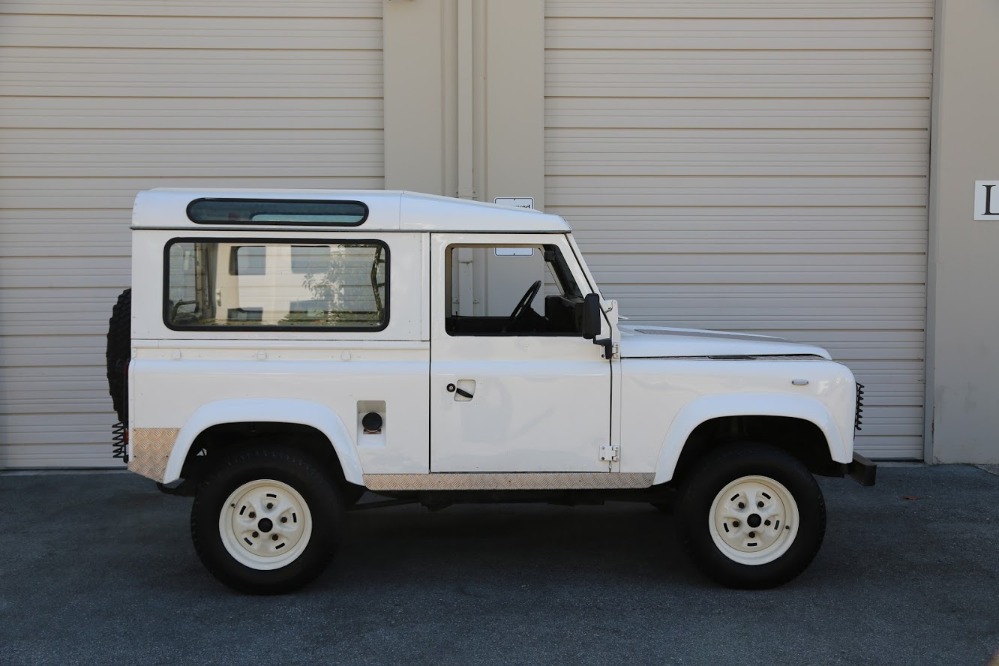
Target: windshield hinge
(611, 348)
(610, 452)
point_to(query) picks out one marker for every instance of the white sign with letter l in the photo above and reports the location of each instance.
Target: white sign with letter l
(987, 200)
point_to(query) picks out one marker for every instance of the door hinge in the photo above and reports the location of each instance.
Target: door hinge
(610, 452)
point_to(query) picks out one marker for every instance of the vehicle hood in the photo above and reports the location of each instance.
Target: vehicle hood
(640, 341)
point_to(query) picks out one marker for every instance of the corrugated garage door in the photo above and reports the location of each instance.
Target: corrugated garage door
(99, 99)
(758, 166)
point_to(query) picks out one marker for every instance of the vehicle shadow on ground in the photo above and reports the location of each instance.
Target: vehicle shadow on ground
(513, 543)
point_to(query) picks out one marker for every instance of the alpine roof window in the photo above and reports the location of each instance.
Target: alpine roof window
(292, 212)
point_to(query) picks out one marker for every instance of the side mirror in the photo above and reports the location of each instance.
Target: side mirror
(591, 316)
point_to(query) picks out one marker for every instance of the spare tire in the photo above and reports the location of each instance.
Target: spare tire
(119, 352)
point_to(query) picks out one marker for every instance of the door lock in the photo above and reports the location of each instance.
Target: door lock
(451, 388)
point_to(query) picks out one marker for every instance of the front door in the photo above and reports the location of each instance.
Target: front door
(514, 387)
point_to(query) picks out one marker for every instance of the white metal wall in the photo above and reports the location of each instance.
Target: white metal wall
(101, 98)
(757, 166)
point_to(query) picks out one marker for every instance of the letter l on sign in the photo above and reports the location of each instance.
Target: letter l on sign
(987, 199)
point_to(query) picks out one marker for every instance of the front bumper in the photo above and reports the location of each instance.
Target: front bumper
(862, 470)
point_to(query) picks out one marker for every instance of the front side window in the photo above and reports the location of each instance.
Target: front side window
(511, 290)
(278, 285)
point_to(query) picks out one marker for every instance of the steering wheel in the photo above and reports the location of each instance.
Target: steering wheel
(522, 305)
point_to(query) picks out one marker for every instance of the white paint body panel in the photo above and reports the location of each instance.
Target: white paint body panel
(541, 405)
(665, 400)
(195, 387)
(638, 341)
(166, 208)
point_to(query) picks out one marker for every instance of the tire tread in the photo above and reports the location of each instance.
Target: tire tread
(709, 477)
(293, 467)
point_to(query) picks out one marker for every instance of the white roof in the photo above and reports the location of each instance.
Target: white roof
(166, 208)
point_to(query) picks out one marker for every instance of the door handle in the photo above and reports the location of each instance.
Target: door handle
(451, 388)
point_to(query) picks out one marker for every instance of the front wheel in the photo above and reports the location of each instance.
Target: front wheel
(266, 521)
(751, 516)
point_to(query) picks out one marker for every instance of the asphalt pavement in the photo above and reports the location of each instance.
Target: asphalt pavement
(99, 568)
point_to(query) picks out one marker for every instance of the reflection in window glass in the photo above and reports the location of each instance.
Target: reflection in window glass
(277, 285)
(309, 258)
(249, 260)
(245, 314)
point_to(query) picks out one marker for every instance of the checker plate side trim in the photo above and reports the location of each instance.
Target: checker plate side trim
(149, 451)
(509, 481)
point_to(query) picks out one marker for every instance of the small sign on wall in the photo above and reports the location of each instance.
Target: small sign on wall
(519, 202)
(987, 200)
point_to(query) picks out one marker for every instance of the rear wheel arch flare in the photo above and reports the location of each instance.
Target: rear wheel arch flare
(306, 425)
(225, 437)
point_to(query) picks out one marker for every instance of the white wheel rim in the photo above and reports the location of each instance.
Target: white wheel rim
(753, 520)
(265, 524)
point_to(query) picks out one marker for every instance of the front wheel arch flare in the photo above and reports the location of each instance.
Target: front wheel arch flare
(799, 438)
(838, 446)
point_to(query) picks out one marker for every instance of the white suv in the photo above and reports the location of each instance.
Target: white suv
(281, 352)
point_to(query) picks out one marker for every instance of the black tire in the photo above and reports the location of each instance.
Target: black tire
(767, 526)
(119, 351)
(243, 549)
(663, 507)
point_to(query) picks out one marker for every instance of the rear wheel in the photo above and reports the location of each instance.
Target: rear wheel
(751, 516)
(266, 521)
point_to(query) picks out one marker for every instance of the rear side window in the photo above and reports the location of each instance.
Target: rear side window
(278, 211)
(276, 285)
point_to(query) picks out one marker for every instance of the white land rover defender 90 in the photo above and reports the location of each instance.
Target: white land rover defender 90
(281, 352)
